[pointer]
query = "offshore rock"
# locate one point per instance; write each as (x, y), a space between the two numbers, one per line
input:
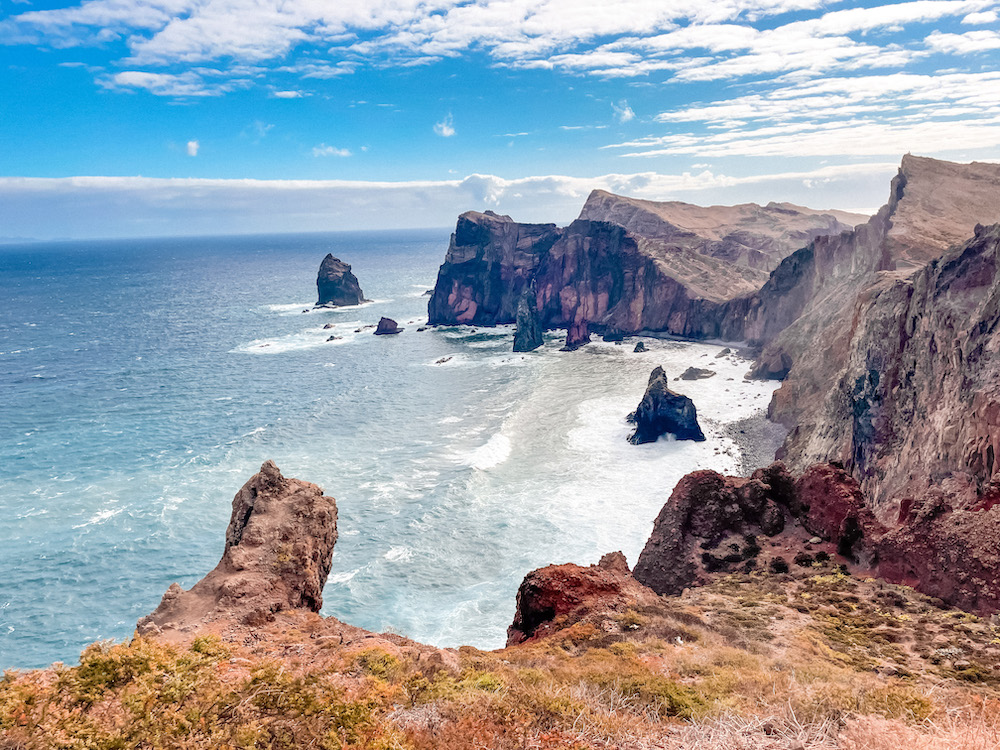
(528, 335)
(336, 285)
(662, 411)
(279, 546)
(558, 596)
(696, 373)
(577, 335)
(387, 327)
(639, 347)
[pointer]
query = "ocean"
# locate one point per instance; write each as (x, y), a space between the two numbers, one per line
(143, 382)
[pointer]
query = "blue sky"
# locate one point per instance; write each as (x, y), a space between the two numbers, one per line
(193, 116)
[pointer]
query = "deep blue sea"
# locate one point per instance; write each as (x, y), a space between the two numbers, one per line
(143, 382)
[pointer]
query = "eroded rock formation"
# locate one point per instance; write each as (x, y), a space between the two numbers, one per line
(557, 596)
(528, 335)
(713, 524)
(643, 275)
(662, 411)
(279, 546)
(336, 285)
(387, 327)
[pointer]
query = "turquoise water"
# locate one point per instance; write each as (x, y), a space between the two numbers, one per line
(142, 382)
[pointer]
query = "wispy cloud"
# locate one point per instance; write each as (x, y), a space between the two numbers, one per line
(324, 150)
(623, 112)
(192, 148)
(445, 128)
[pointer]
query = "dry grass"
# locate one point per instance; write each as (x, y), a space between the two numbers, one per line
(762, 662)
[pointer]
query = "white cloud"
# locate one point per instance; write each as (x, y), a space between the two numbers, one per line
(187, 84)
(287, 94)
(988, 16)
(623, 112)
(324, 150)
(965, 44)
(445, 128)
(137, 206)
(192, 148)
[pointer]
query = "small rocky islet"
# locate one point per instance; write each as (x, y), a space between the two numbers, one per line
(844, 596)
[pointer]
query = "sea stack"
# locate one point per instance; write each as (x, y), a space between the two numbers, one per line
(387, 327)
(662, 411)
(528, 336)
(577, 335)
(337, 286)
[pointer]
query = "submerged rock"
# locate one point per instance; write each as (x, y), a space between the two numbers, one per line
(336, 285)
(279, 546)
(662, 411)
(387, 327)
(528, 335)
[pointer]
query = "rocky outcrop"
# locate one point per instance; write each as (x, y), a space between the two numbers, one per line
(696, 373)
(528, 335)
(714, 525)
(336, 285)
(608, 276)
(387, 327)
(577, 335)
(662, 412)
(279, 546)
(558, 596)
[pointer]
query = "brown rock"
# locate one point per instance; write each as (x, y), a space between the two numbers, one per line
(387, 327)
(279, 546)
(557, 596)
(336, 285)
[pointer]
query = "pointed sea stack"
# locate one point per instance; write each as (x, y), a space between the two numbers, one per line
(337, 286)
(528, 336)
(662, 411)
(577, 335)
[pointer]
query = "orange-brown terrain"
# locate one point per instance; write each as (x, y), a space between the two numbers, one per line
(844, 598)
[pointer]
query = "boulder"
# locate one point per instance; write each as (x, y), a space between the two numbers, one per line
(387, 327)
(662, 411)
(279, 548)
(558, 596)
(640, 347)
(528, 335)
(696, 373)
(336, 285)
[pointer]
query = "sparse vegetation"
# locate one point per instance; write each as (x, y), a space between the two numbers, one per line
(812, 660)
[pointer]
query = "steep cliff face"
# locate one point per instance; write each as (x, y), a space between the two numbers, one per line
(876, 355)
(603, 274)
(744, 235)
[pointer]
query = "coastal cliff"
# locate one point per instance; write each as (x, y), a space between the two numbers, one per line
(623, 266)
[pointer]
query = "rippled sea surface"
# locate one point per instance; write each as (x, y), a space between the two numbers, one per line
(143, 382)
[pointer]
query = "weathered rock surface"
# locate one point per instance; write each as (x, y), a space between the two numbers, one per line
(696, 373)
(662, 411)
(577, 335)
(336, 285)
(745, 235)
(603, 274)
(714, 525)
(557, 596)
(387, 327)
(528, 335)
(279, 546)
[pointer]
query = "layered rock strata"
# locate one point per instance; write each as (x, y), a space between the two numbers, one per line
(336, 285)
(279, 547)
(663, 412)
(609, 277)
